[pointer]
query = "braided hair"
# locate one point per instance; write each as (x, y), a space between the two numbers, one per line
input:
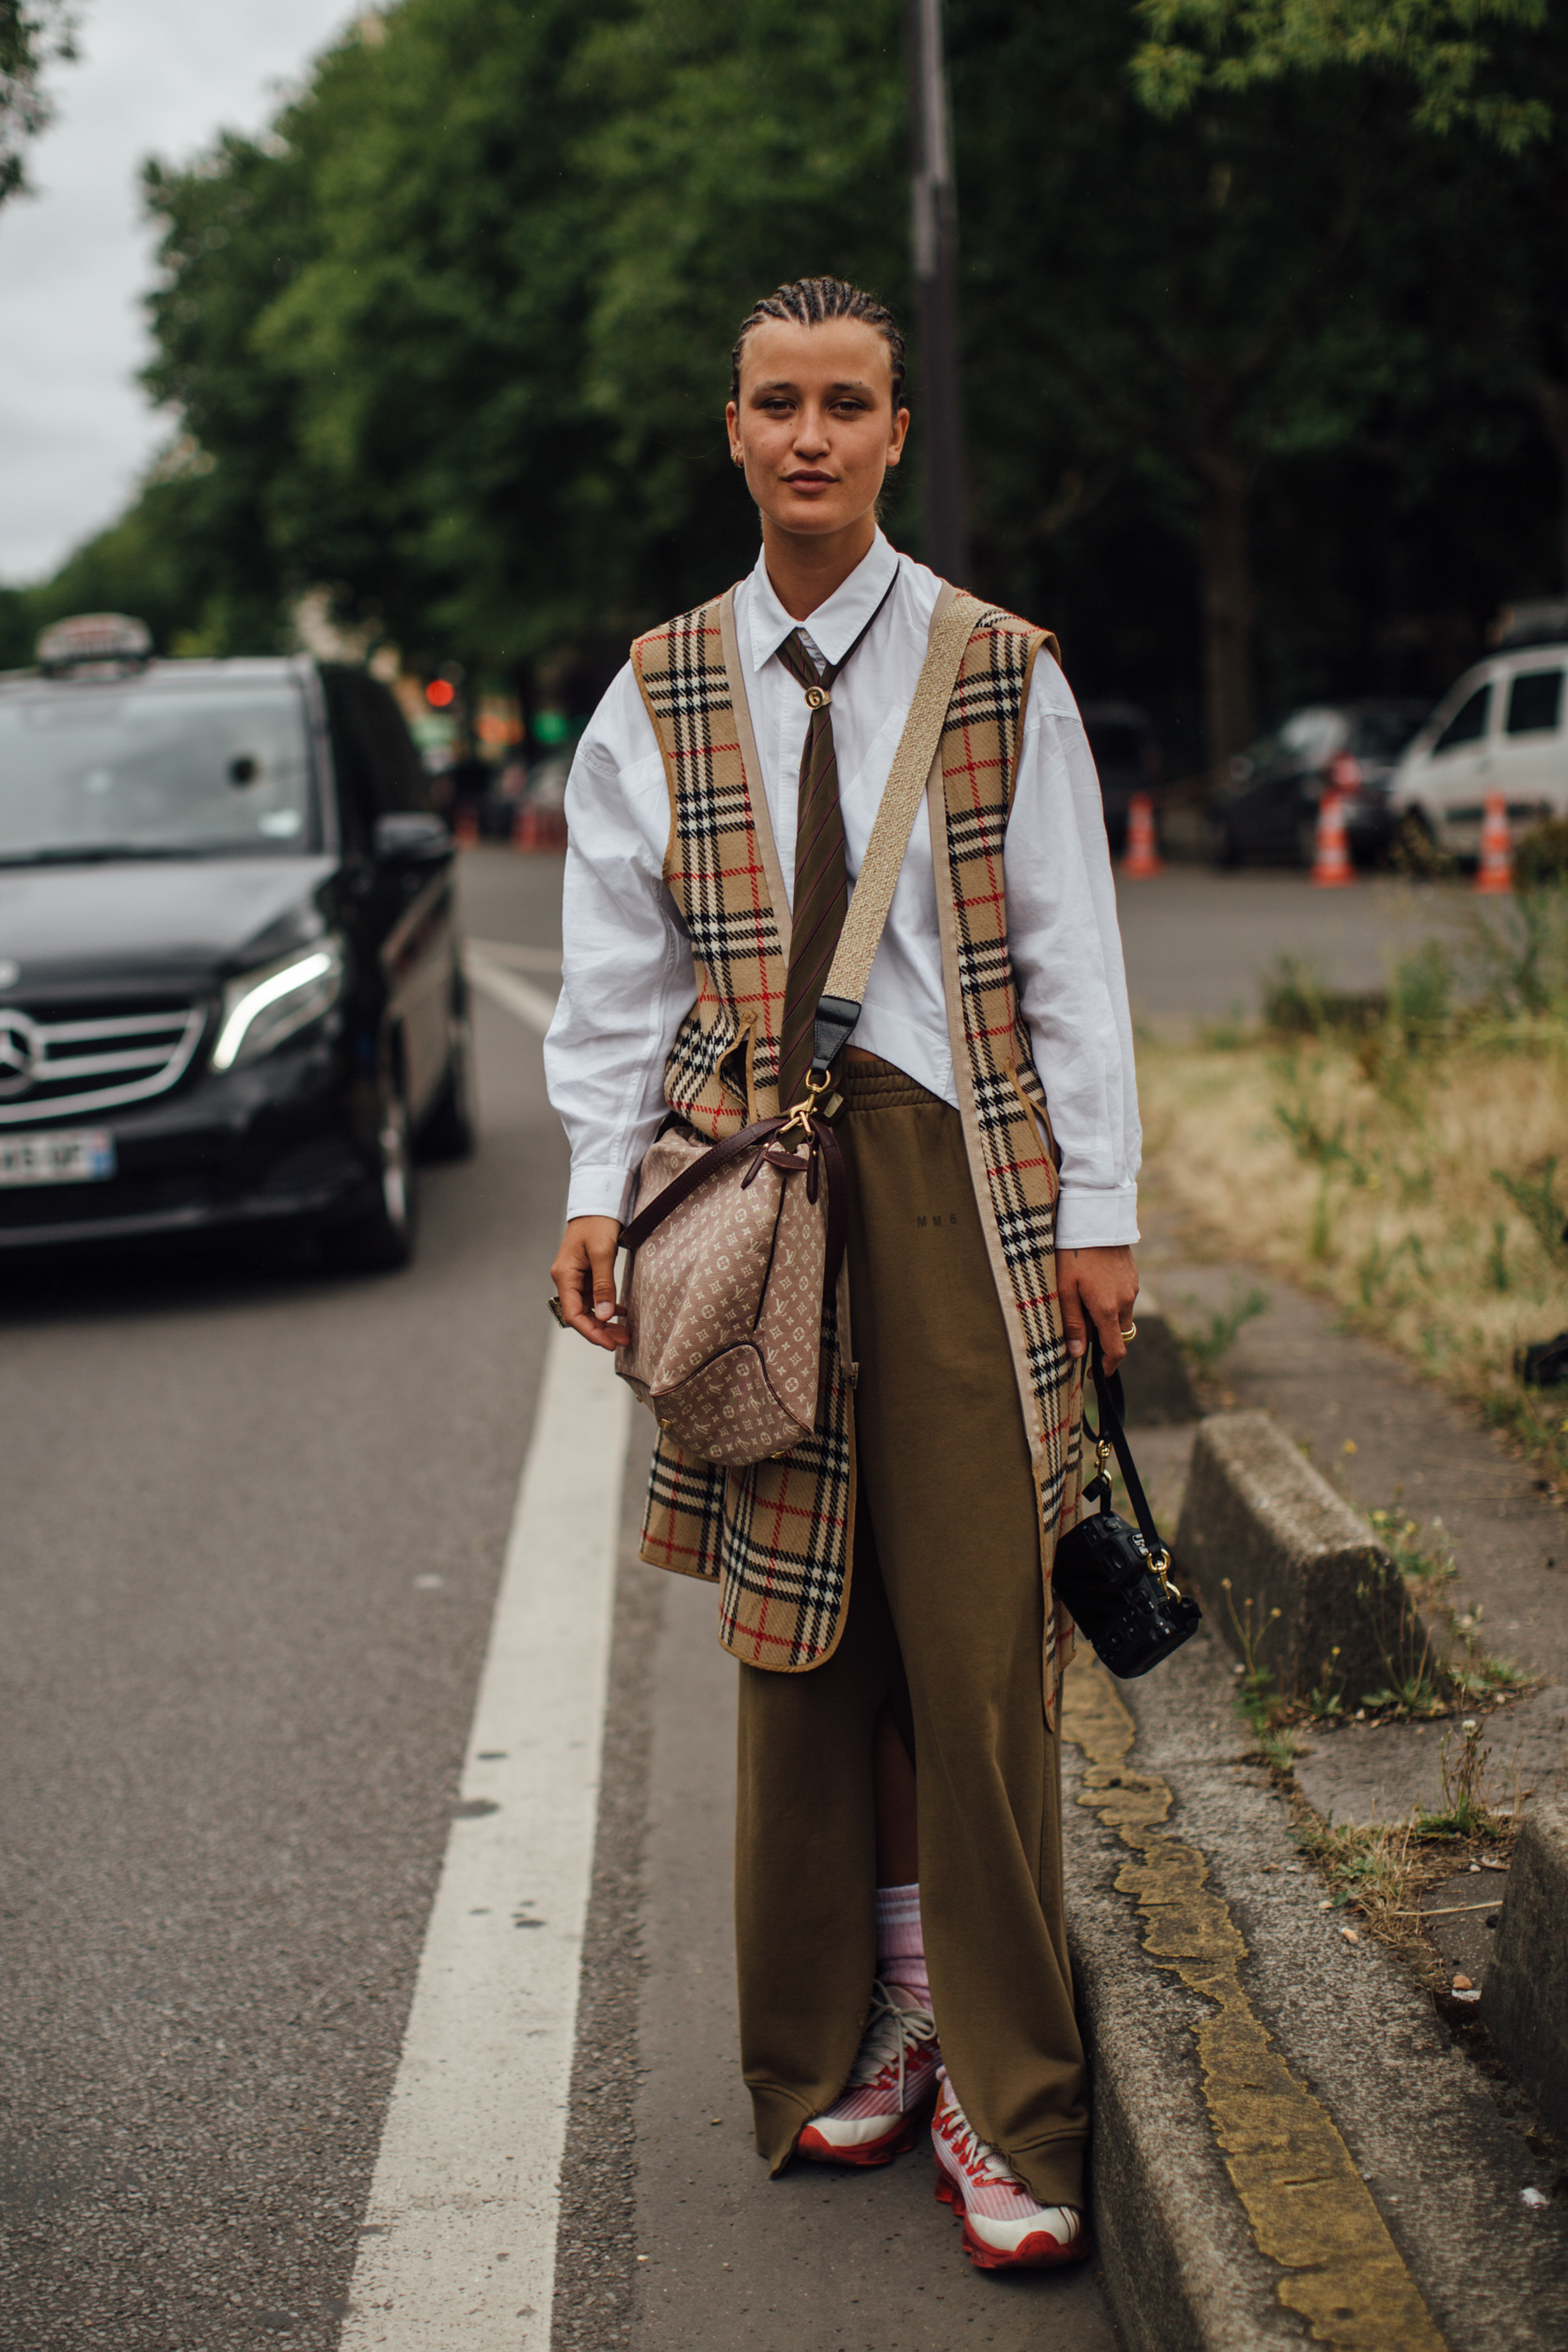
(811, 302)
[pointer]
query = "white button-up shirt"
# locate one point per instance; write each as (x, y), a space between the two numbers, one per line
(628, 980)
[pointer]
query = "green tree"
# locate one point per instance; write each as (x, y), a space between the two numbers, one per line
(1223, 47)
(452, 338)
(1497, 69)
(33, 33)
(1200, 298)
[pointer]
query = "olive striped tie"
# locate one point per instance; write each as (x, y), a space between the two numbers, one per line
(821, 875)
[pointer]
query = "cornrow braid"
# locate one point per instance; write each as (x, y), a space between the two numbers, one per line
(811, 302)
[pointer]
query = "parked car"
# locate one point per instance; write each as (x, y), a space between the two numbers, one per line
(1501, 728)
(1268, 808)
(1127, 755)
(230, 987)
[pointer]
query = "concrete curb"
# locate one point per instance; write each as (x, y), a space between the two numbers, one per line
(1525, 2004)
(1412, 2166)
(1312, 1594)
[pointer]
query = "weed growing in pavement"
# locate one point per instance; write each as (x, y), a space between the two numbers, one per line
(1370, 1870)
(1225, 1325)
(1465, 1812)
(1259, 1700)
(1399, 1537)
(1325, 1703)
(1380, 1870)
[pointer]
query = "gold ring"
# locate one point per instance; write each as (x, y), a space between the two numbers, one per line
(1131, 1332)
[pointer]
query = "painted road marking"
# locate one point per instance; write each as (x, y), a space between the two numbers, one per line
(463, 2205)
(1306, 2203)
(532, 1005)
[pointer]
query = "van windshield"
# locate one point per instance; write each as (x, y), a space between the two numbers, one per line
(149, 767)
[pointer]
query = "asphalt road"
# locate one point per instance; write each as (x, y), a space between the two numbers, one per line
(1200, 944)
(254, 1520)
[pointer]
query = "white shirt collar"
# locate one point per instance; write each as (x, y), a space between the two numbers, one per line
(835, 625)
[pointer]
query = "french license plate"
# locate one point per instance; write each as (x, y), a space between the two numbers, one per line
(74, 1156)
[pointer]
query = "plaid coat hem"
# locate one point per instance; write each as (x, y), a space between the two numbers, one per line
(778, 1536)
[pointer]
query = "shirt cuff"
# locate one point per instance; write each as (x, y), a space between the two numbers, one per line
(1089, 1218)
(600, 1192)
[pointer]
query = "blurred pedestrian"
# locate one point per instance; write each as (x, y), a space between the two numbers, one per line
(899, 1916)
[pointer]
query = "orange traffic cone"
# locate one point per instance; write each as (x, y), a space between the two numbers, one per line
(1331, 868)
(467, 827)
(1495, 874)
(1143, 850)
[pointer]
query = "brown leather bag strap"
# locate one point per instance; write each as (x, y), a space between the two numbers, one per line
(737, 1147)
(838, 1204)
(733, 1148)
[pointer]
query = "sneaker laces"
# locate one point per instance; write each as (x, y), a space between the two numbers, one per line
(977, 2157)
(891, 2030)
(986, 2166)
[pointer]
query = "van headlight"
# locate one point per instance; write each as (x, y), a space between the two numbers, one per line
(261, 1008)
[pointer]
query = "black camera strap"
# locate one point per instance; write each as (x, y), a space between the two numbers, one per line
(1107, 1388)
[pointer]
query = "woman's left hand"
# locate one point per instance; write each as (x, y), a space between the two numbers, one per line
(1098, 1289)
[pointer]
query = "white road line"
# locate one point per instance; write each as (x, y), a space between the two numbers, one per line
(521, 959)
(514, 995)
(466, 2188)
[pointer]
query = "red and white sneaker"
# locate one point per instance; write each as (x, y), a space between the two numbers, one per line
(1004, 2228)
(892, 2081)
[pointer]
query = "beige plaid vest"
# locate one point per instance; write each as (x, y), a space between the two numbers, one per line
(777, 1536)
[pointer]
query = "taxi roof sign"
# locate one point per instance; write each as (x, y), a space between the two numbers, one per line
(112, 638)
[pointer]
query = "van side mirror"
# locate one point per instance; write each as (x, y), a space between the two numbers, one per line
(411, 837)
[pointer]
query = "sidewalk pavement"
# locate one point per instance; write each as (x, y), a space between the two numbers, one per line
(1293, 2136)
(672, 2236)
(1388, 1438)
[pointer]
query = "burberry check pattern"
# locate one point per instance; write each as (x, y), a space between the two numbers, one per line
(776, 1535)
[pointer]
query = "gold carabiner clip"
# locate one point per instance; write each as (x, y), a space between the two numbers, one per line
(801, 1114)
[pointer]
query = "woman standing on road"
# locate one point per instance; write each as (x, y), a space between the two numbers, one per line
(899, 1917)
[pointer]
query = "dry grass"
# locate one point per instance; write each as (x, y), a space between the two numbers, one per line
(1379, 1871)
(1402, 1159)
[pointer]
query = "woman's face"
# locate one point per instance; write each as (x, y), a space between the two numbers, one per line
(814, 425)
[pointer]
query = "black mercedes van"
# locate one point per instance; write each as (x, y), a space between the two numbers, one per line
(231, 990)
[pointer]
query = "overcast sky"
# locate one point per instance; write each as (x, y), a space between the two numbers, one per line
(153, 77)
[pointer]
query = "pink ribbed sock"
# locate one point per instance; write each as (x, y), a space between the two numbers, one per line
(901, 1943)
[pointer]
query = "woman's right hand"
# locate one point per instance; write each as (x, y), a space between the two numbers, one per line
(584, 1277)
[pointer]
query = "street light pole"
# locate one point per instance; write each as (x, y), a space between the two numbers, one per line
(936, 272)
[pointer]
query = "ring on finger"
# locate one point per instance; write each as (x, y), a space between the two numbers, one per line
(1131, 1332)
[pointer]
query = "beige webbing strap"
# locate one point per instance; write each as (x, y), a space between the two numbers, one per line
(952, 626)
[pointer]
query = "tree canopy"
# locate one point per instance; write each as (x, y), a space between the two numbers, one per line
(1264, 311)
(1436, 46)
(32, 34)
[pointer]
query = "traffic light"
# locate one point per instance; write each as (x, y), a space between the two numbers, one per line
(441, 693)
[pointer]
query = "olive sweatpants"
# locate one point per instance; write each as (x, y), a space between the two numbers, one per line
(946, 1625)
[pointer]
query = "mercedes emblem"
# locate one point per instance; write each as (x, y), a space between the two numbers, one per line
(21, 1051)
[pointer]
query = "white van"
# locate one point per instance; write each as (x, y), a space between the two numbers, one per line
(1501, 728)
